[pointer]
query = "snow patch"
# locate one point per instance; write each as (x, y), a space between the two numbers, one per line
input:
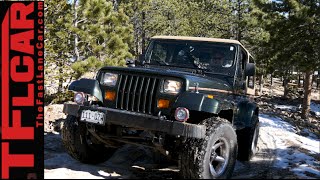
(315, 108)
(286, 107)
(291, 148)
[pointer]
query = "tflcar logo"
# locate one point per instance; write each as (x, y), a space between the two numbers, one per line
(21, 89)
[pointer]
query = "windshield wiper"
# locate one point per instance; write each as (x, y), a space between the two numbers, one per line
(158, 61)
(162, 62)
(214, 73)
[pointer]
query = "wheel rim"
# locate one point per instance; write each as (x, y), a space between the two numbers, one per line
(219, 157)
(254, 140)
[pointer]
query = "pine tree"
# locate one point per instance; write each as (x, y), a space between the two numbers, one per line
(82, 36)
(136, 10)
(104, 36)
(295, 34)
(58, 43)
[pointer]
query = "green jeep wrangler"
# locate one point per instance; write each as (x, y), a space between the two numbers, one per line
(190, 98)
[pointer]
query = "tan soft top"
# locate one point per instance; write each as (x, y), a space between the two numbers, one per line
(188, 38)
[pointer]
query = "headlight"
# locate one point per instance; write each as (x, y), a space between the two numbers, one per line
(109, 79)
(79, 97)
(171, 86)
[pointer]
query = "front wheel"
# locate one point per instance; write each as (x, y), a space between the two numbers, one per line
(212, 157)
(75, 140)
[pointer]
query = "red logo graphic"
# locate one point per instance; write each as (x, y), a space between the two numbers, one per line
(22, 93)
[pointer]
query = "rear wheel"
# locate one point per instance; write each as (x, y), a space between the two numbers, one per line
(75, 139)
(247, 141)
(212, 157)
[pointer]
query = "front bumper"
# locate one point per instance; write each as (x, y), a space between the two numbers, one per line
(139, 120)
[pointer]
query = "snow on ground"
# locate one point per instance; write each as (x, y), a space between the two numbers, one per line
(286, 107)
(315, 108)
(295, 153)
(65, 167)
(299, 155)
(59, 165)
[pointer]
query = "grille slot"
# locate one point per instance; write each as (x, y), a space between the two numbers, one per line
(137, 93)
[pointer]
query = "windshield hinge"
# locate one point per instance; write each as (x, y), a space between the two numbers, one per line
(196, 87)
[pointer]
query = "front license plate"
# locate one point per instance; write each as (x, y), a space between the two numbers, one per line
(95, 117)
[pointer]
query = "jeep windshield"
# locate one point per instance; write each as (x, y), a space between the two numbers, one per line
(212, 57)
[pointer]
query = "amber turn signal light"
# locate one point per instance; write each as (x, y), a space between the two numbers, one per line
(210, 96)
(110, 95)
(163, 103)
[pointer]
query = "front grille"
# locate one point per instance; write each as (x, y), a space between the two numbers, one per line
(137, 93)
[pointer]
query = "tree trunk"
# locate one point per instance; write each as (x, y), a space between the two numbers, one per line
(261, 84)
(285, 85)
(76, 38)
(136, 38)
(271, 84)
(239, 35)
(299, 79)
(60, 82)
(115, 5)
(69, 82)
(143, 32)
(307, 95)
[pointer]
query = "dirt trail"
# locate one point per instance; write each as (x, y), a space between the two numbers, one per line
(137, 162)
(261, 165)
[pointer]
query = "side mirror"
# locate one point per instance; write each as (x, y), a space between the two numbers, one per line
(250, 69)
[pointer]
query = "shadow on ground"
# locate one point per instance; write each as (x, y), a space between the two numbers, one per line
(127, 162)
(133, 162)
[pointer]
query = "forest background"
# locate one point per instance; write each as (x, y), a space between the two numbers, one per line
(84, 35)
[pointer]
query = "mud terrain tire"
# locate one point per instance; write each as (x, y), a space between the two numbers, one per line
(74, 135)
(213, 157)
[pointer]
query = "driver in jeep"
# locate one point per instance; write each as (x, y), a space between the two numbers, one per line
(219, 59)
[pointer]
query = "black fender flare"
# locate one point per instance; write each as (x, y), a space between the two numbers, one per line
(201, 102)
(244, 113)
(87, 86)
